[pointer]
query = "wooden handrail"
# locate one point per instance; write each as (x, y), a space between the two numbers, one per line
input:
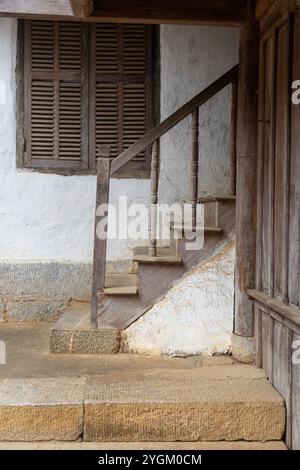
(105, 169)
(156, 132)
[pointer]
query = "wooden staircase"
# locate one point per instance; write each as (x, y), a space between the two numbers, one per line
(118, 300)
(128, 296)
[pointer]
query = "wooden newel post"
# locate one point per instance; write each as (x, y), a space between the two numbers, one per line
(234, 111)
(100, 236)
(154, 197)
(195, 164)
(246, 185)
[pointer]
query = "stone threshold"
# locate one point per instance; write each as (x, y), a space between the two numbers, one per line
(112, 408)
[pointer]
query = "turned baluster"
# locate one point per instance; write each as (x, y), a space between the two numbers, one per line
(234, 105)
(154, 198)
(195, 165)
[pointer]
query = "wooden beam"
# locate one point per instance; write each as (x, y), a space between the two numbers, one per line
(72, 8)
(246, 174)
(100, 242)
(156, 132)
(193, 12)
(82, 8)
(262, 7)
(223, 12)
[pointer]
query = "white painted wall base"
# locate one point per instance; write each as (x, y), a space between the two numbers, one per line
(196, 315)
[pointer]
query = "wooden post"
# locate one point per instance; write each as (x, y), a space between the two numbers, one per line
(100, 242)
(234, 104)
(246, 173)
(154, 198)
(195, 164)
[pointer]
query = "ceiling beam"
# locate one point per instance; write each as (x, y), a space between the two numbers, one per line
(223, 12)
(262, 7)
(82, 8)
(193, 12)
(77, 8)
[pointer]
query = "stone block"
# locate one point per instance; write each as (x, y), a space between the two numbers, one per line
(243, 348)
(41, 409)
(85, 341)
(183, 411)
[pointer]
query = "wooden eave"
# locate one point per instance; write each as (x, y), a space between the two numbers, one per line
(197, 12)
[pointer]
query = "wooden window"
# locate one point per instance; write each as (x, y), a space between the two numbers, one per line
(84, 85)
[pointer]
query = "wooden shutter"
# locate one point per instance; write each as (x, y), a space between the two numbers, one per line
(120, 64)
(55, 95)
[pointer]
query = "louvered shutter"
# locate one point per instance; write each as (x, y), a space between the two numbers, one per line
(55, 95)
(120, 64)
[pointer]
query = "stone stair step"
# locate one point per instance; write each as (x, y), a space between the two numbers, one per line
(143, 408)
(184, 410)
(72, 334)
(41, 409)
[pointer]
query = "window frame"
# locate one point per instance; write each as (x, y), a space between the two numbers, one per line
(133, 169)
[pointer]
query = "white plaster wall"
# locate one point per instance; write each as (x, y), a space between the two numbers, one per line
(46, 217)
(192, 58)
(196, 315)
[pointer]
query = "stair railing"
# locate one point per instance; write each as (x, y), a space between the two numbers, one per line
(106, 169)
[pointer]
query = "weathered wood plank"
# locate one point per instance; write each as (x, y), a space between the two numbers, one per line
(258, 336)
(281, 187)
(206, 12)
(225, 12)
(296, 396)
(262, 7)
(278, 12)
(260, 166)
(233, 135)
(268, 173)
(294, 210)
(246, 174)
(288, 311)
(100, 242)
(77, 8)
(267, 345)
(175, 118)
(282, 369)
(82, 8)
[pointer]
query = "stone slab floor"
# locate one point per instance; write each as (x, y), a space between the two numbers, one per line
(27, 349)
(27, 355)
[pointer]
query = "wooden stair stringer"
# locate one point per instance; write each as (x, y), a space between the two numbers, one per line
(154, 281)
